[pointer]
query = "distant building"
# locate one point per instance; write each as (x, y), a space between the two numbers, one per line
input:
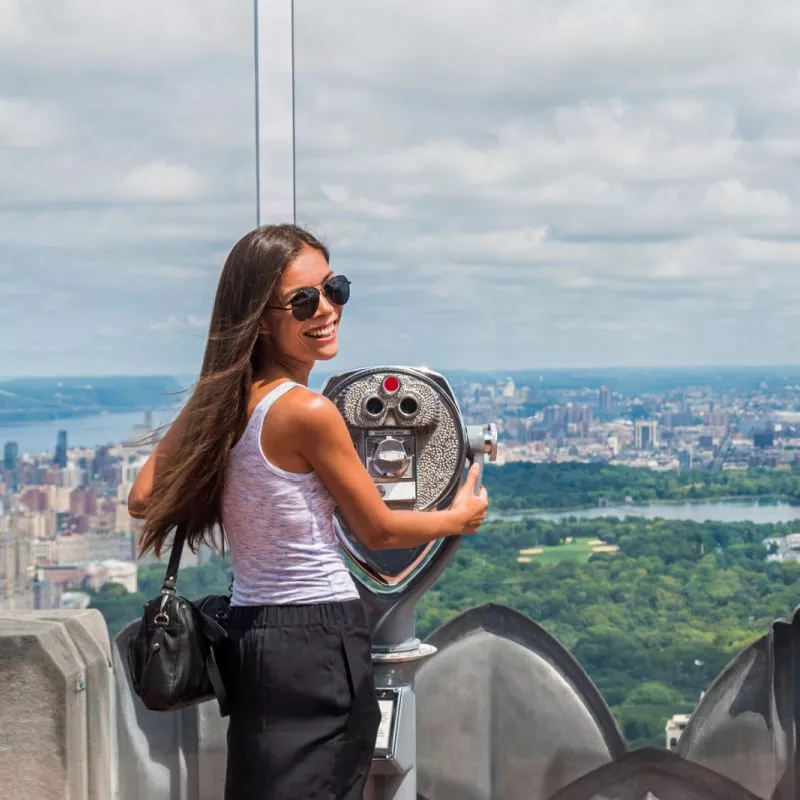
(11, 456)
(101, 461)
(606, 399)
(678, 419)
(644, 434)
(14, 560)
(99, 573)
(73, 600)
(684, 460)
(35, 499)
(674, 730)
(715, 419)
(53, 581)
(764, 438)
(60, 457)
(82, 502)
(783, 548)
(10, 472)
(72, 548)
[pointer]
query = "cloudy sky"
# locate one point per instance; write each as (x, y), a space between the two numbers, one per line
(508, 183)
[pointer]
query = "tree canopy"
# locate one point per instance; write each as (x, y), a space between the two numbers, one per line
(521, 485)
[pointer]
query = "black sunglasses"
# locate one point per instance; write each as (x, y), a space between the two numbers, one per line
(305, 302)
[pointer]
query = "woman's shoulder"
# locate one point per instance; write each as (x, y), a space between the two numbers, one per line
(298, 421)
(303, 406)
(301, 411)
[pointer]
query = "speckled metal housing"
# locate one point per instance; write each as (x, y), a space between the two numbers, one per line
(441, 446)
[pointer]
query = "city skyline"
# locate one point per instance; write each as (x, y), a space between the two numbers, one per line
(323, 369)
(592, 186)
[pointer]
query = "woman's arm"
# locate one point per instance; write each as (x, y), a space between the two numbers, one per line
(324, 441)
(140, 491)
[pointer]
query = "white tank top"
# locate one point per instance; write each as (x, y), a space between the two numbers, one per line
(280, 527)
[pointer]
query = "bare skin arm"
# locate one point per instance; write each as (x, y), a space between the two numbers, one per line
(321, 437)
(312, 427)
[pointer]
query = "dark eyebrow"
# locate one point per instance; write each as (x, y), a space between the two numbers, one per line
(292, 292)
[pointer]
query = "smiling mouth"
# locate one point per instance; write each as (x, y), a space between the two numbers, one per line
(322, 333)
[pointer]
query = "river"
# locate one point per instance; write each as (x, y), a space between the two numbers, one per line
(721, 511)
(100, 429)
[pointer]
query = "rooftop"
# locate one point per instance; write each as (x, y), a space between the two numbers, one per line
(504, 712)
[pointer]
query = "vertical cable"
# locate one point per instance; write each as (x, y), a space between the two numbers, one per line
(257, 110)
(294, 145)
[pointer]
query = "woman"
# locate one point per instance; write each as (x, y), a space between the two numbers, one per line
(254, 453)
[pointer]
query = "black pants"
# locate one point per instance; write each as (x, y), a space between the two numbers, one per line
(304, 713)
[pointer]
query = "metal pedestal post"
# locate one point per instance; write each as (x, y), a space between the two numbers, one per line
(408, 431)
(393, 775)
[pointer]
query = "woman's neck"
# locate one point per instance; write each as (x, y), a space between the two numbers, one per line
(299, 373)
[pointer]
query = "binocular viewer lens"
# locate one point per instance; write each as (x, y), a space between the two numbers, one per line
(408, 406)
(374, 406)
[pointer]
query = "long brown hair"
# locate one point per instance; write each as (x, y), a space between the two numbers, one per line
(188, 489)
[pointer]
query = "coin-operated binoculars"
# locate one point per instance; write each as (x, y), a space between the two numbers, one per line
(408, 431)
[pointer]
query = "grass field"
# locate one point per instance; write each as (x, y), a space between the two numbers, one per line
(575, 550)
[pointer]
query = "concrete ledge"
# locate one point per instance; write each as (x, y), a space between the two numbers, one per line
(167, 754)
(55, 719)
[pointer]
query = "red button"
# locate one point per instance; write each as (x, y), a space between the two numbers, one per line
(391, 384)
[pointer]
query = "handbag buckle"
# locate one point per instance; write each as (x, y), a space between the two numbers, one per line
(162, 618)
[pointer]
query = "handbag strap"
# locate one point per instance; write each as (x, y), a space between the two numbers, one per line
(217, 683)
(171, 578)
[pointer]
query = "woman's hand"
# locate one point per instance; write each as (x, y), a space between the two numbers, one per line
(471, 507)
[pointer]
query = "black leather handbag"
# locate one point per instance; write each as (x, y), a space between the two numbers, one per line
(174, 656)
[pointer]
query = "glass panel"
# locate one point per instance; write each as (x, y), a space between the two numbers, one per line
(127, 171)
(273, 28)
(577, 200)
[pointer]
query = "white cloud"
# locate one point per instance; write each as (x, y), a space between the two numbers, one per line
(146, 36)
(361, 205)
(159, 180)
(25, 125)
(591, 182)
(175, 323)
(650, 147)
(733, 198)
